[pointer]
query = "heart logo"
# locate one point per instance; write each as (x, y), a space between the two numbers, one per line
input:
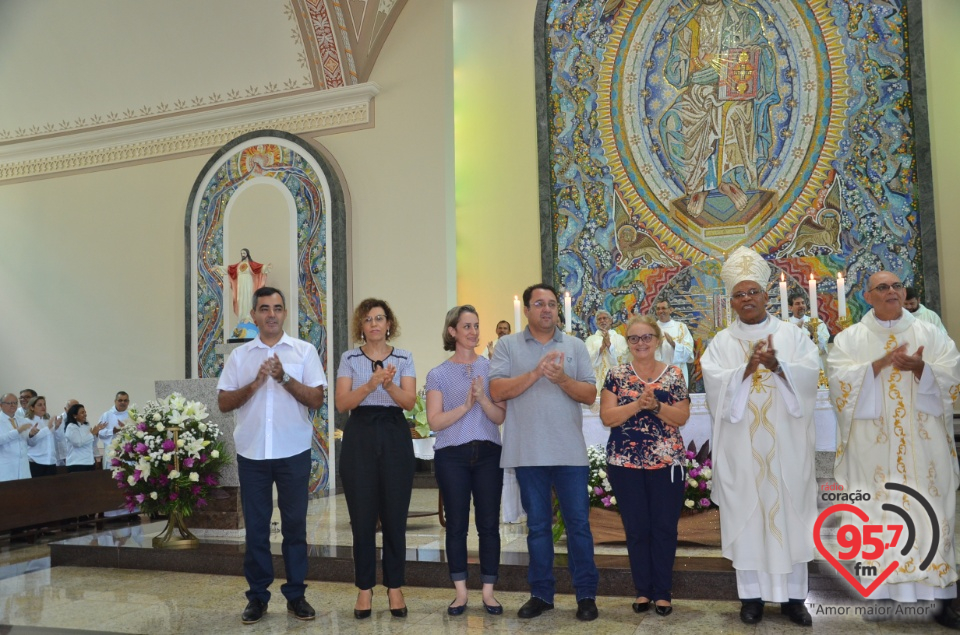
(818, 541)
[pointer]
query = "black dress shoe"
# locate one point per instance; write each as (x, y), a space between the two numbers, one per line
(948, 617)
(797, 613)
(456, 610)
(751, 612)
(534, 607)
(400, 612)
(254, 612)
(664, 610)
(641, 607)
(301, 609)
(587, 610)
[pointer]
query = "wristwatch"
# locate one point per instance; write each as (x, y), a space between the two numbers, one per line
(286, 378)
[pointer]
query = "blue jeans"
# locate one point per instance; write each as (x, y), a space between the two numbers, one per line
(650, 502)
(570, 484)
(291, 476)
(473, 467)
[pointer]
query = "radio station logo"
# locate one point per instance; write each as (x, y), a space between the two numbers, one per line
(861, 547)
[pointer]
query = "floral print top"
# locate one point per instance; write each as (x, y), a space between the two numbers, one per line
(644, 441)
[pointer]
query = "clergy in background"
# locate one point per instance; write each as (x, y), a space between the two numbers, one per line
(912, 304)
(799, 317)
(607, 349)
(761, 375)
(893, 379)
(677, 346)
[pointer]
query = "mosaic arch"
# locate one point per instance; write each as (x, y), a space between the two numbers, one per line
(320, 248)
(679, 129)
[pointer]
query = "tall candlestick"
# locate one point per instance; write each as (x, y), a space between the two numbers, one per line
(813, 296)
(841, 296)
(567, 312)
(516, 314)
(783, 298)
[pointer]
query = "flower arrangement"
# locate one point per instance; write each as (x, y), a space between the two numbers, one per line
(699, 469)
(601, 493)
(166, 458)
(418, 416)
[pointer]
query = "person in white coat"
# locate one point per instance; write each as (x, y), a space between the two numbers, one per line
(13, 441)
(81, 439)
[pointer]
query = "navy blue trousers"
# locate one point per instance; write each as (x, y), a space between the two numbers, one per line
(650, 507)
(291, 475)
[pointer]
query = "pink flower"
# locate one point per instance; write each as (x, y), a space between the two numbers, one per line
(691, 455)
(188, 462)
(141, 448)
(201, 502)
(140, 498)
(115, 462)
(195, 490)
(708, 463)
(142, 427)
(173, 496)
(210, 480)
(694, 473)
(598, 491)
(606, 501)
(702, 485)
(704, 502)
(168, 445)
(127, 448)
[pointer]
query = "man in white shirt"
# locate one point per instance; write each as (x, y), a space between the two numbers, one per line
(503, 328)
(113, 419)
(272, 382)
(677, 345)
(912, 304)
(60, 429)
(606, 347)
(13, 441)
(25, 396)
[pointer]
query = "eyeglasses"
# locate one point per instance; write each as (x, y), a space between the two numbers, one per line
(743, 294)
(9, 403)
(883, 287)
(370, 319)
(540, 304)
(646, 338)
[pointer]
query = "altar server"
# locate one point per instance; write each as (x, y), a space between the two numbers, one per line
(760, 376)
(676, 349)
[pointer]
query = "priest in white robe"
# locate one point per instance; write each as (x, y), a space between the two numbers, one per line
(912, 304)
(677, 344)
(760, 376)
(893, 380)
(607, 349)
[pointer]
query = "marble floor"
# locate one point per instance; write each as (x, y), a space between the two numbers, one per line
(35, 598)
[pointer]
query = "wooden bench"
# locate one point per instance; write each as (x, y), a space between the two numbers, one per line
(36, 501)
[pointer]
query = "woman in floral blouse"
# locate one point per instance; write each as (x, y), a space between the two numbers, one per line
(644, 403)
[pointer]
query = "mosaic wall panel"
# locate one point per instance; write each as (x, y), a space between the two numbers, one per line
(290, 166)
(679, 129)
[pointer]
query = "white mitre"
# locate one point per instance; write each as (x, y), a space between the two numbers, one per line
(744, 264)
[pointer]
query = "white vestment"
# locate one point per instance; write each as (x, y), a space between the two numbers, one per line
(763, 455)
(895, 428)
(615, 355)
(113, 418)
(681, 352)
(925, 314)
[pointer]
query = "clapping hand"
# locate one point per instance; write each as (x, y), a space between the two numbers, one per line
(23, 427)
(471, 395)
(767, 354)
(605, 344)
(388, 372)
(647, 399)
(552, 366)
(912, 363)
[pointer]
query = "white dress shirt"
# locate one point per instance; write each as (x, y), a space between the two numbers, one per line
(13, 450)
(272, 424)
(43, 445)
(80, 444)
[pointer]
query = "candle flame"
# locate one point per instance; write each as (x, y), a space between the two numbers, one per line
(782, 279)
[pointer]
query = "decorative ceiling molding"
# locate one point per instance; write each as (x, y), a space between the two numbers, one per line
(315, 111)
(362, 26)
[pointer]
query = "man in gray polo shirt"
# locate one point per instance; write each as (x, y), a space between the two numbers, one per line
(544, 376)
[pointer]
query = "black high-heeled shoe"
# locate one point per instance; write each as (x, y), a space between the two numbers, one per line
(361, 614)
(641, 607)
(664, 610)
(400, 612)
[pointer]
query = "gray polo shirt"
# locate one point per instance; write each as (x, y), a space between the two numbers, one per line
(544, 426)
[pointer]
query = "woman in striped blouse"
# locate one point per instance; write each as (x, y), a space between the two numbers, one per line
(467, 453)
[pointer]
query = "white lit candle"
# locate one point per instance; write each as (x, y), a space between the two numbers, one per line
(784, 309)
(841, 296)
(813, 296)
(567, 312)
(516, 314)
